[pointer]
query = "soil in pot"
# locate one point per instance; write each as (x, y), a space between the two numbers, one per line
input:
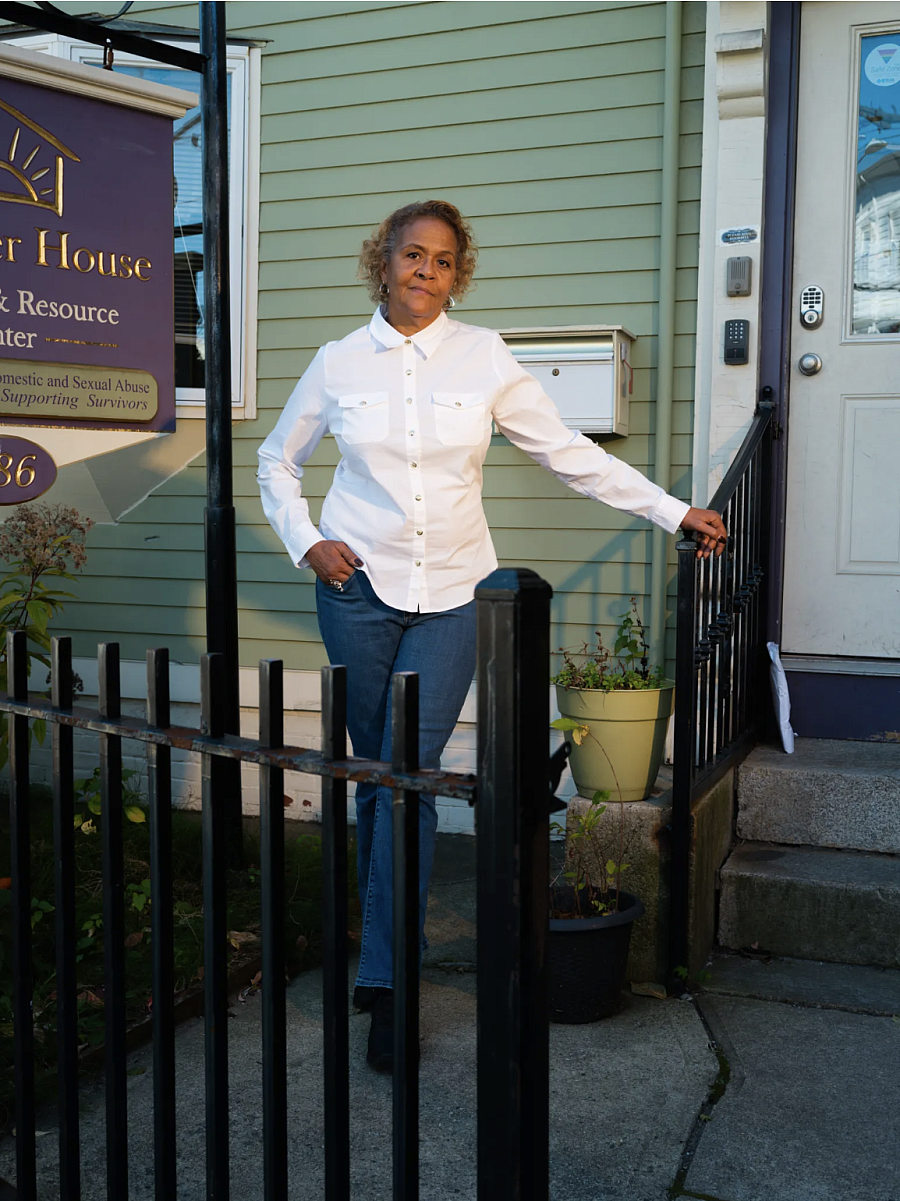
(586, 958)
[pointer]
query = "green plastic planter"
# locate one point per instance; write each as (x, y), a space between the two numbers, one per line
(630, 728)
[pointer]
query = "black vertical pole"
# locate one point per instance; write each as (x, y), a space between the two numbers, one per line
(334, 939)
(110, 705)
(405, 758)
(159, 786)
(20, 864)
(62, 695)
(221, 551)
(684, 754)
(215, 936)
(271, 858)
(513, 851)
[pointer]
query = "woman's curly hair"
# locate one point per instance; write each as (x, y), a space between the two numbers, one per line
(377, 250)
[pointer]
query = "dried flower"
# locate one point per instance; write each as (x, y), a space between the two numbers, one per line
(42, 537)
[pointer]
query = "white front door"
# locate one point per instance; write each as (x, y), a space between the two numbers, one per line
(842, 553)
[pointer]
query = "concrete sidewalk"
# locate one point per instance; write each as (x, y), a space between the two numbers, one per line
(790, 1102)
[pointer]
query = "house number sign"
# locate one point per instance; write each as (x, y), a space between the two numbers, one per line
(26, 470)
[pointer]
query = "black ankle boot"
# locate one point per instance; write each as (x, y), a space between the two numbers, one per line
(380, 1051)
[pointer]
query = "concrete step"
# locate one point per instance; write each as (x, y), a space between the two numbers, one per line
(829, 793)
(812, 903)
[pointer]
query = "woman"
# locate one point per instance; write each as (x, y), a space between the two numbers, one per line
(403, 540)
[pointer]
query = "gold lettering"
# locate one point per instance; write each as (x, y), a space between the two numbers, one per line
(62, 248)
(6, 461)
(75, 259)
(142, 264)
(112, 263)
(11, 248)
(125, 271)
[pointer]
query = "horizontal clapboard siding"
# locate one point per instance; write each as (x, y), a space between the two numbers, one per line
(544, 123)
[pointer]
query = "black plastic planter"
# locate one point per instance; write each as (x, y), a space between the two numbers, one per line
(586, 959)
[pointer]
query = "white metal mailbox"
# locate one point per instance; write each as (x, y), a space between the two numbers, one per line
(584, 369)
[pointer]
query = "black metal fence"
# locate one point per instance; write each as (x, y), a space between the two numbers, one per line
(720, 653)
(510, 792)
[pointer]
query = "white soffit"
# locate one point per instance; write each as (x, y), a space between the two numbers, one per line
(47, 71)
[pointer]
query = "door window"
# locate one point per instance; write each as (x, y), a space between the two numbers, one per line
(876, 242)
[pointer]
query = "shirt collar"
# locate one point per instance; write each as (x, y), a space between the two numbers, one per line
(426, 340)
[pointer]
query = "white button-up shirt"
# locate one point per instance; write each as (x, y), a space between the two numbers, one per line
(412, 420)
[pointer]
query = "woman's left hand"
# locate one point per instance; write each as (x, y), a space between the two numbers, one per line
(710, 529)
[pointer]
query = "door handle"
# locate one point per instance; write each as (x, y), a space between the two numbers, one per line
(810, 364)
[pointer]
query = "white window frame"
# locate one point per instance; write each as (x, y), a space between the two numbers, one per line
(243, 65)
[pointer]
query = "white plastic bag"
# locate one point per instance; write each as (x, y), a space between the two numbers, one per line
(781, 697)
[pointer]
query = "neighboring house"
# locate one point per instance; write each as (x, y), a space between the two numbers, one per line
(549, 125)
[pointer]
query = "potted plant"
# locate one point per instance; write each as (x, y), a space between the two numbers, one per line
(590, 919)
(622, 705)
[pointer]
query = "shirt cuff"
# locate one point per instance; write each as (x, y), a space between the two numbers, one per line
(301, 542)
(669, 512)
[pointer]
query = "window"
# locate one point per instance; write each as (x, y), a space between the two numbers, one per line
(243, 152)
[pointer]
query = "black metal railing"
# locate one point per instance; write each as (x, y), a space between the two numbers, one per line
(511, 788)
(720, 653)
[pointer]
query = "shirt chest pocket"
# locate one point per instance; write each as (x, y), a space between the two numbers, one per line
(364, 417)
(459, 417)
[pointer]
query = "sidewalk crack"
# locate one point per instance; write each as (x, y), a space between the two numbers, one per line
(714, 1096)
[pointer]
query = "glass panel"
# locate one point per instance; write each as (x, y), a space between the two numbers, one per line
(876, 247)
(190, 367)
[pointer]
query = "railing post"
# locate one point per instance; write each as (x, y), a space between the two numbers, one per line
(405, 758)
(213, 703)
(512, 821)
(159, 786)
(110, 705)
(271, 853)
(684, 756)
(20, 864)
(334, 939)
(66, 938)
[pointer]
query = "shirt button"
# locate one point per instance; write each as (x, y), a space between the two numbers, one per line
(418, 562)
(412, 433)
(362, 402)
(414, 464)
(408, 400)
(418, 498)
(408, 342)
(458, 404)
(409, 372)
(419, 532)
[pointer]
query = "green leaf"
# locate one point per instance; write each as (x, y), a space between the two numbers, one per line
(565, 723)
(135, 813)
(39, 726)
(95, 805)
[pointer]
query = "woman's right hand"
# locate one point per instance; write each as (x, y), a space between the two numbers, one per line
(333, 561)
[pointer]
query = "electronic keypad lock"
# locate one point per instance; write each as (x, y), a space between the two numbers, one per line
(812, 306)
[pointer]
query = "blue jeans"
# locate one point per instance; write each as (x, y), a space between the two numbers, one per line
(374, 640)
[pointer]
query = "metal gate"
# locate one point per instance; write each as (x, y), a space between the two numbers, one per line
(510, 793)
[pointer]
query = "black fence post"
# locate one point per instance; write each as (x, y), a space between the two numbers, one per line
(66, 938)
(215, 932)
(20, 865)
(334, 939)
(685, 752)
(159, 786)
(271, 855)
(110, 705)
(512, 817)
(405, 758)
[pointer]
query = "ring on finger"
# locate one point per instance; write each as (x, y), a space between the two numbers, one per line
(336, 585)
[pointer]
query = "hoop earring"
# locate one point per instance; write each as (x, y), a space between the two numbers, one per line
(450, 303)
(384, 290)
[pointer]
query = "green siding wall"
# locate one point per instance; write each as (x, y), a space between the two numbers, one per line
(543, 122)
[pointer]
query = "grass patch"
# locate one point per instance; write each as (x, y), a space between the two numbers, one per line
(303, 925)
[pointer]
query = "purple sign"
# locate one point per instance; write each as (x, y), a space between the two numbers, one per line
(26, 470)
(86, 262)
